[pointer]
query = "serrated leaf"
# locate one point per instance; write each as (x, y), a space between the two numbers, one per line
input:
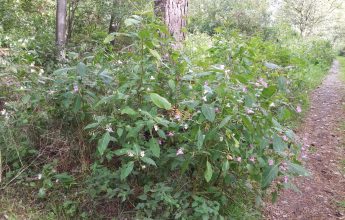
(90, 126)
(128, 111)
(148, 161)
(224, 121)
(269, 91)
(160, 101)
(200, 140)
(154, 147)
(269, 175)
(81, 69)
(126, 170)
(131, 21)
(297, 169)
(278, 144)
(109, 38)
(209, 112)
(208, 172)
(103, 143)
(121, 152)
(119, 132)
(155, 54)
(172, 85)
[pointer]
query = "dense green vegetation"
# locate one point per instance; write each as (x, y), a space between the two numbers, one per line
(144, 128)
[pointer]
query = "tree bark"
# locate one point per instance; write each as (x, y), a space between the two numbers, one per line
(174, 14)
(61, 12)
(115, 19)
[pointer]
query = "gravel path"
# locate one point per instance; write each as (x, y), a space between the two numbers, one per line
(320, 132)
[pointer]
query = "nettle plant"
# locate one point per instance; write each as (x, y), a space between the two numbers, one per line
(179, 138)
(169, 137)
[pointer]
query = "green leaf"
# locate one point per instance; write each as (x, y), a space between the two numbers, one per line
(154, 147)
(269, 175)
(209, 112)
(90, 126)
(160, 101)
(103, 143)
(155, 54)
(131, 21)
(297, 169)
(109, 38)
(121, 152)
(226, 166)
(224, 122)
(269, 91)
(278, 144)
(208, 172)
(119, 132)
(126, 170)
(129, 111)
(201, 139)
(81, 69)
(172, 85)
(148, 161)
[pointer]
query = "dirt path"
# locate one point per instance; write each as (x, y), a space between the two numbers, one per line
(320, 131)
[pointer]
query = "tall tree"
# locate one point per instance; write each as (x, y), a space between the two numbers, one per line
(307, 15)
(173, 13)
(61, 12)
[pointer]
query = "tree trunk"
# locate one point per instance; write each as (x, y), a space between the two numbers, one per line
(174, 14)
(115, 19)
(61, 12)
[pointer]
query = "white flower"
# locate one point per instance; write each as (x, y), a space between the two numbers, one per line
(143, 167)
(109, 129)
(142, 154)
(221, 138)
(204, 98)
(185, 126)
(222, 67)
(3, 112)
(272, 104)
(228, 105)
(179, 152)
(156, 127)
(152, 78)
(39, 176)
(148, 89)
(130, 154)
(119, 62)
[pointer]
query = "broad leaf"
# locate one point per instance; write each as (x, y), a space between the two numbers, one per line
(208, 172)
(126, 170)
(154, 147)
(269, 175)
(160, 101)
(103, 143)
(209, 112)
(148, 161)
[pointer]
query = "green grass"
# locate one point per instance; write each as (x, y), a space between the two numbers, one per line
(16, 206)
(342, 66)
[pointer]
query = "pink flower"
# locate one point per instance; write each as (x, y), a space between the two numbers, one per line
(75, 88)
(263, 82)
(298, 109)
(206, 83)
(179, 152)
(252, 159)
(285, 138)
(217, 110)
(160, 142)
(249, 111)
(244, 89)
(270, 162)
(286, 179)
(239, 159)
(170, 134)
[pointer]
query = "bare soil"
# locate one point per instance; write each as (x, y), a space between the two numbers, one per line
(321, 134)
